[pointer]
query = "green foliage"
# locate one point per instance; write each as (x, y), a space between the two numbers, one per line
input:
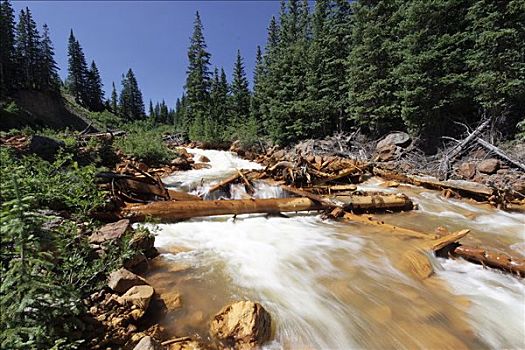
(60, 185)
(131, 105)
(145, 143)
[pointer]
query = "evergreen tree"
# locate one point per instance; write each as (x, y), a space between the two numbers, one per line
(7, 47)
(48, 69)
(496, 60)
(151, 112)
(131, 105)
(434, 87)
(114, 99)
(77, 71)
(240, 93)
(258, 94)
(375, 54)
(197, 81)
(27, 50)
(95, 94)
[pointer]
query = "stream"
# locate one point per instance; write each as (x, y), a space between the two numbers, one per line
(331, 285)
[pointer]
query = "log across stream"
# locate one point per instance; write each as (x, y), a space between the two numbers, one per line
(340, 285)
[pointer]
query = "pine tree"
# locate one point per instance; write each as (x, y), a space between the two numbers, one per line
(373, 103)
(198, 80)
(114, 99)
(48, 69)
(95, 94)
(77, 70)
(131, 105)
(258, 94)
(7, 48)
(496, 61)
(151, 112)
(27, 50)
(240, 93)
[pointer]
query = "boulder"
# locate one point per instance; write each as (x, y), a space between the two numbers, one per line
(204, 159)
(401, 139)
(44, 147)
(243, 324)
(467, 170)
(386, 153)
(139, 296)
(392, 184)
(519, 186)
(199, 166)
(144, 241)
(172, 300)
(148, 343)
(121, 280)
(111, 231)
(489, 166)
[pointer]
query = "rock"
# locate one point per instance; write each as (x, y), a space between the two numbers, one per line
(242, 324)
(198, 166)
(235, 146)
(144, 241)
(488, 166)
(519, 186)
(185, 345)
(204, 159)
(467, 170)
(121, 280)
(387, 153)
(139, 296)
(401, 139)
(148, 343)
(392, 184)
(44, 147)
(137, 263)
(173, 300)
(111, 231)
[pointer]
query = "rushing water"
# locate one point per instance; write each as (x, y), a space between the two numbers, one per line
(332, 285)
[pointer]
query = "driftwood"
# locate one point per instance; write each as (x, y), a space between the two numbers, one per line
(467, 188)
(182, 196)
(174, 210)
(500, 153)
(491, 258)
(101, 135)
(224, 182)
(459, 148)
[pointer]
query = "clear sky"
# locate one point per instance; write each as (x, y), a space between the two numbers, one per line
(152, 37)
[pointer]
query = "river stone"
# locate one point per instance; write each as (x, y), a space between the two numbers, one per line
(121, 280)
(387, 153)
(148, 343)
(44, 147)
(173, 300)
(488, 166)
(185, 345)
(401, 139)
(243, 324)
(204, 159)
(111, 231)
(139, 296)
(467, 170)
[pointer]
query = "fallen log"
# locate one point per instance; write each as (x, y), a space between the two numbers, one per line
(491, 258)
(467, 188)
(500, 153)
(182, 196)
(224, 182)
(345, 173)
(175, 210)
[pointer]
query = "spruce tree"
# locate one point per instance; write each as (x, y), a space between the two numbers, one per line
(95, 94)
(240, 93)
(27, 50)
(131, 105)
(198, 80)
(258, 94)
(77, 70)
(373, 102)
(7, 48)
(114, 99)
(48, 69)
(151, 112)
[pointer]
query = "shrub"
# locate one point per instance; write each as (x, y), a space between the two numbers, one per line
(145, 143)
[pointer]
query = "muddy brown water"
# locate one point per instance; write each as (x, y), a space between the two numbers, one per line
(331, 285)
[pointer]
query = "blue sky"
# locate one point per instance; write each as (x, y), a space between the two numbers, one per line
(152, 37)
